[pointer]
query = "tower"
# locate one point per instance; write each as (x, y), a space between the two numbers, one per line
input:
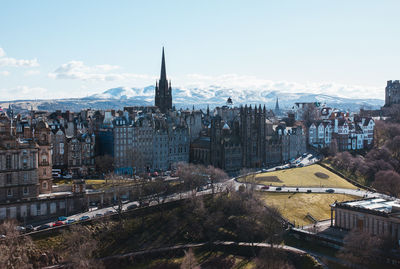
(277, 111)
(163, 95)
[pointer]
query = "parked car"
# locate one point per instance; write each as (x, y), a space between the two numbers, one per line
(132, 206)
(43, 227)
(108, 212)
(278, 188)
(309, 191)
(29, 228)
(330, 190)
(70, 221)
(20, 229)
(83, 218)
(58, 223)
(265, 187)
(67, 176)
(98, 215)
(62, 218)
(144, 204)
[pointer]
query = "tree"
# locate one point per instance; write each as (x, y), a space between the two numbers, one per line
(272, 258)
(360, 247)
(189, 260)
(15, 249)
(309, 114)
(104, 164)
(80, 247)
(387, 181)
(215, 175)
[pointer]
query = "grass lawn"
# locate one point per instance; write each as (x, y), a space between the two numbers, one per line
(309, 176)
(296, 206)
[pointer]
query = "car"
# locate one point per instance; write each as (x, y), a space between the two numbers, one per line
(132, 206)
(265, 187)
(83, 218)
(98, 215)
(58, 223)
(309, 191)
(70, 221)
(62, 218)
(109, 212)
(330, 190)
(29, 228)
(20, 229)
(67, 176)
(43, 227)
(278, 188)
(144, 204)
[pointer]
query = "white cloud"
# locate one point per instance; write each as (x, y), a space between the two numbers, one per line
(78, 70)
(23, 93)
(4, 73)
(8, 61)
(32, 72)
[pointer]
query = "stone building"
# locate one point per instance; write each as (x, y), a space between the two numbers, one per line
(392, 93)
(80, 154)
(252, 135)
(43, 139)
(18, 167)
(149, 142)
(377, 216)
(225, 145)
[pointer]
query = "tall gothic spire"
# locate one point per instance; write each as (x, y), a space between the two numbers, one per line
(163, 95)
(163, 75)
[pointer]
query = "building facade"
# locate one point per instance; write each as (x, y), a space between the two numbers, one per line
(392, 92)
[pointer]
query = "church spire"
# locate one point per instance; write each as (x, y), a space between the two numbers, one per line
(163, 75)
(163, 96)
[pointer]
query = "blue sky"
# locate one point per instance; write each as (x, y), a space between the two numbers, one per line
(52, 49)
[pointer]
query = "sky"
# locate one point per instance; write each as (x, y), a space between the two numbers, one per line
(59, 49)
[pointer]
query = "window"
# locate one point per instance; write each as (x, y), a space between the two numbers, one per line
(25, 177)
(8, 179)
(44, 185)
(25, 190)
(61, 148)
(8, 162)
(9, 192)
(44, 171)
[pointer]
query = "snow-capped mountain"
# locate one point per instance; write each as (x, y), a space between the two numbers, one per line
(200, 97)
(217, 96)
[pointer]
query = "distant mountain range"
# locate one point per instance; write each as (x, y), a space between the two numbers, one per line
(117, 98)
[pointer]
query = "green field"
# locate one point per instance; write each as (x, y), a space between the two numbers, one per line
(295, 206)
(309, 176)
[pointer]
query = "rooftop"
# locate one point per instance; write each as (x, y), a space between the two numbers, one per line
(376, 204)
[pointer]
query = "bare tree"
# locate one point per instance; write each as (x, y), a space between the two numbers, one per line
(189, 260)
(80, 247)
(104, 164)
(360, 247)
(272, 258)
(215, 175)
(387, 181)
(309, 114)
(15, 250)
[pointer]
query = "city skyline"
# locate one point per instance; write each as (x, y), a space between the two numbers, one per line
(64, 50)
